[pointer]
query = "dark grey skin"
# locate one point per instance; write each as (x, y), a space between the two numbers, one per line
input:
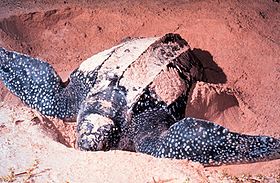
(38, 85)
(152, 128)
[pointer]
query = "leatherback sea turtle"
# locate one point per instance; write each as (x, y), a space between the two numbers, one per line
(133, 97)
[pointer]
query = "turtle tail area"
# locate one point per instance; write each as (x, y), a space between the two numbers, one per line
(208, 143)
(38, 85)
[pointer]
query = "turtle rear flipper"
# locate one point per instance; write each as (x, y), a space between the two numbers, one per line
(38, 85)
(201, 141)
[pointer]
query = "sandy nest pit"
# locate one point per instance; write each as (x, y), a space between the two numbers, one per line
(237, 42)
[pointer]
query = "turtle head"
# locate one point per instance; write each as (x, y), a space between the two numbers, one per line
(101, 118)
(33, 81)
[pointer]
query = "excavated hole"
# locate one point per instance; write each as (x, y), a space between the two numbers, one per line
(65, 38)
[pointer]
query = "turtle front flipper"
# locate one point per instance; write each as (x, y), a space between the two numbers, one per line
(199, 140)
(38, 85)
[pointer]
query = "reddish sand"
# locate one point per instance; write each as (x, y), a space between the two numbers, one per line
(238, 43)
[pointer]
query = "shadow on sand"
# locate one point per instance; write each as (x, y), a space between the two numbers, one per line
(213, 73)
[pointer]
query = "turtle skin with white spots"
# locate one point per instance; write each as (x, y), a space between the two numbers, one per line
(114, 111)
(38, 85)
(198, 140)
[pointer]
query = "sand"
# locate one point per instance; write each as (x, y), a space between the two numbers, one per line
(238, 43)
